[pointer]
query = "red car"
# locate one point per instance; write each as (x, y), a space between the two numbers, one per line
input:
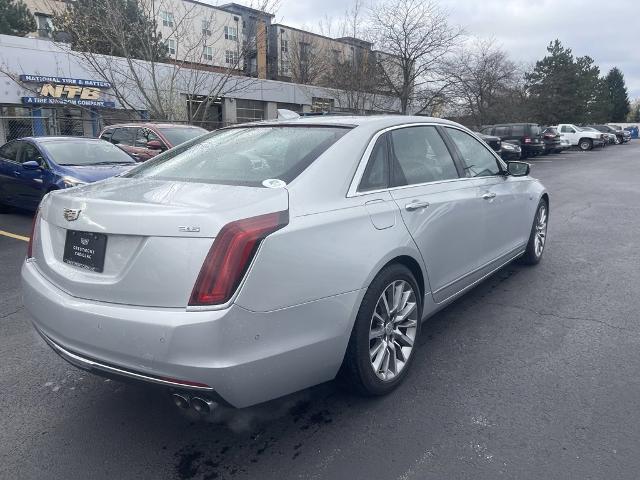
(145, 140)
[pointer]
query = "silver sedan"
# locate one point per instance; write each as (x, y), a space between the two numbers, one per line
(262, 259)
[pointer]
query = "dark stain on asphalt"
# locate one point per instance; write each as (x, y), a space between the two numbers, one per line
(188, 462)
(299, 410)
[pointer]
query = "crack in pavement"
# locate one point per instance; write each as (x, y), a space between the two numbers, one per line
(564, 317)
(5, 315)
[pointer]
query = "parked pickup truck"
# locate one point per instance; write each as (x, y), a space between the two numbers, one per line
(583, 139)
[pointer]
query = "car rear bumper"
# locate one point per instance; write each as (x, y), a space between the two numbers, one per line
(241, 356)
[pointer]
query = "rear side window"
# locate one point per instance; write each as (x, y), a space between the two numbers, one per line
(123, 136)
(376, 176)
(420, 156)
(478, 160)
(517, 130)
(501, 131)
(10, 151)
(243, 155)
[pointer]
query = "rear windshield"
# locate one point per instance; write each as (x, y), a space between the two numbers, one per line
(178, 135)
(243, 155)
(535, 130)
(89, 152)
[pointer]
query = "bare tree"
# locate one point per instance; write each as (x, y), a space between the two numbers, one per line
(417, 36)
(182, 56)
(481, 76)
(309, 60)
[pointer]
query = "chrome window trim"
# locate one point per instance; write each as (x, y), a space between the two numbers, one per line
(364, 160)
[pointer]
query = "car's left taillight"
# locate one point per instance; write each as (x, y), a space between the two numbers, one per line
(230, 257)
(32, 234)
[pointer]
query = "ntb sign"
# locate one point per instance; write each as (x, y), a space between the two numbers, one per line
(60, 91)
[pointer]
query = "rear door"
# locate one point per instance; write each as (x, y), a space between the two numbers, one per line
(8, 167)
(442, 211)
(504, 200)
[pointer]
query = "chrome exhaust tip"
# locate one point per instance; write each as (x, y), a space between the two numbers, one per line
(203, 405)
(181, 400)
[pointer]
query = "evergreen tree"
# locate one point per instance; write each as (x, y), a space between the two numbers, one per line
(554, 93)
(618, 95)
(15, 18)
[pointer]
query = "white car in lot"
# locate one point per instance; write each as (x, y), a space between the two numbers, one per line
(261, 259)
(577, 137)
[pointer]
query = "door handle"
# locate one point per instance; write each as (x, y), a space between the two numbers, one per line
(17, 173)
(489, 195)
(416, 205)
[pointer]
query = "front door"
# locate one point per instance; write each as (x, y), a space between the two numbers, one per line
(442, 211)
(29, 184)
(504, 200)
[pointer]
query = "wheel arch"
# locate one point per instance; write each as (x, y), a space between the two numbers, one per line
(413, 266)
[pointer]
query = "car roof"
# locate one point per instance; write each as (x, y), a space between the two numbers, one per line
(150, 125)
(375, 121)
(51, 139)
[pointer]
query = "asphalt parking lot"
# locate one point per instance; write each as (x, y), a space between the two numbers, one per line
(534, 374)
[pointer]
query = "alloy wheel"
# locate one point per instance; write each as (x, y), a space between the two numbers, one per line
(540, 230)
(392, 331)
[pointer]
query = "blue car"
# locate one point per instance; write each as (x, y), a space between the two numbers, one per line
(31, 167)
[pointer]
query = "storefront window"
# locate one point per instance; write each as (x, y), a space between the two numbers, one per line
(249, 110)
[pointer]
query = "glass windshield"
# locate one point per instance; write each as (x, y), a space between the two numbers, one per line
(243, 155)
(89, 152)
(178, 135)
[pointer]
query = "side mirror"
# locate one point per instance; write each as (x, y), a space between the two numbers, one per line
(518, 169)
(155, 145)
(31, 165)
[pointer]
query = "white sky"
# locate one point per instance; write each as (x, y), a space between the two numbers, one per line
(609, 32)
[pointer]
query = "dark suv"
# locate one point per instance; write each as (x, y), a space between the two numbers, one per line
(145, 140)
(527, 135)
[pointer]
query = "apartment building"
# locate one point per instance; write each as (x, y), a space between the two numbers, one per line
(43, 11)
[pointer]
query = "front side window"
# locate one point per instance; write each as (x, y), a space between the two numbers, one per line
(30, 153)
(419, 155)
(123, 136)
(567, 129)
(376, 175)
(501, 131)
(478, 160)
(243, 155)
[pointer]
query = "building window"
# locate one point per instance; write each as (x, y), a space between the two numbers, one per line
(305, 51)
(207, 54)
(322, 104)
(249, 110)
(284, 46)
(167, 19)
(285, 67)
(231, 57)
(171, 46)
(45, 25)
(231, 33)
(206, 28)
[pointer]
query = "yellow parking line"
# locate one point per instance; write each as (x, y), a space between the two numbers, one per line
(13, 235)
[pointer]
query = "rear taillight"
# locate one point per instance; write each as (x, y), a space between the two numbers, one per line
(230, 256)
(32, 234)
(527, 140)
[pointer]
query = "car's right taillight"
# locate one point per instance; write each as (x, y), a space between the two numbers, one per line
(230, 256)
(32, 234)
(527, 140)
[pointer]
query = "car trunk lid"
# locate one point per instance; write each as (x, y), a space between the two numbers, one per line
(157, 234)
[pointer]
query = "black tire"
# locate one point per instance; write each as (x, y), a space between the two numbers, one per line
(531, 256)
(618, 140)
(357, 372)
(585, 144)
